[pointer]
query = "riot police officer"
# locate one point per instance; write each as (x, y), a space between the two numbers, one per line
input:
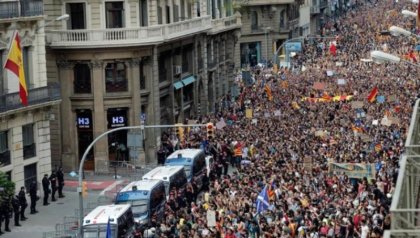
(60, 179)
(34, 197)
(16, 211)
(53, 181)
(5, 212)
(23, 203)
(46, 188)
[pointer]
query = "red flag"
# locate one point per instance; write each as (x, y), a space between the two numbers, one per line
(333, 49)
(372, 94)
(411, 54)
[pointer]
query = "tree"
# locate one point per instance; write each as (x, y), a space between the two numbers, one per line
(8, 187)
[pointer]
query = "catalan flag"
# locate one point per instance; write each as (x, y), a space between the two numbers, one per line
(15, 69)
(372, 95)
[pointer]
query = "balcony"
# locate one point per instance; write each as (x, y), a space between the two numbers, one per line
(14, 9)
(265, 2)
(323, 4)
(225, 24)
(119, 37)
(41, 96)
(293, 23)
(315, 10)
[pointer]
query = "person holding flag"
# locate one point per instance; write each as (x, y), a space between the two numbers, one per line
(263, 202)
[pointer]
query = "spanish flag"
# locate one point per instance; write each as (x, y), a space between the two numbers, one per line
(15, 69)
(372, 95)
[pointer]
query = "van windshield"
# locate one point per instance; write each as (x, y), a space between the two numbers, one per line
(187, 169)
(139, 207)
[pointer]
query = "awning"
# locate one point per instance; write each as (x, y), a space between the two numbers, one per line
(178, 85)
(188, 80)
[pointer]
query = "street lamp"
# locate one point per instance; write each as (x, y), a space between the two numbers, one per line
(380, 57)
(408, 13)
(64, 17)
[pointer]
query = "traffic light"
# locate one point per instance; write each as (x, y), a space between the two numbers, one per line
(84, 189)
(210, 130)
(180, 132)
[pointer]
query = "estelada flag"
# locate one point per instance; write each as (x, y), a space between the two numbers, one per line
(15, 69)
(333, 49)
(372, 95)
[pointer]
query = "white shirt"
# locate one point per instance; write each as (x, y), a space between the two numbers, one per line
(365, 231)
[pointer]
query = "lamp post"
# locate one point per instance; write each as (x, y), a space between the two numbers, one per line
(380, 57)
(82, 161)
(398, 31)
(266, 31)
(64, 17)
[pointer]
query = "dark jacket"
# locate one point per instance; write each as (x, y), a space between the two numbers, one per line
(16, 204)
(60, 177)
(22, 199)
(46, 184)
(32, 190)
(53, 180)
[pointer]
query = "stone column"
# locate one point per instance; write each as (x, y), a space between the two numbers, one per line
(69, 139)
(153, 108)
(99, 116)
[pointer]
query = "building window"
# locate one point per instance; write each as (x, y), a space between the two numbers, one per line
(143, 13)
(142, 76)
(159, 12)
(198, 9)
(228, 7)
(116, 77)
(4, 149)
(26, 64)
(82, 80)
(168, 14)
(30, 175)
(2, 89)
(254, 20)
(77, 15)
(114, 14)
(29, 149)
(182, 10)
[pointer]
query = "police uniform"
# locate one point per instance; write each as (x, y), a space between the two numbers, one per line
(16, 211)
(46, 188)
(53, 181)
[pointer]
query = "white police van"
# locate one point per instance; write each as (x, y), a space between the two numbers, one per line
(120, 218)
(173, 177)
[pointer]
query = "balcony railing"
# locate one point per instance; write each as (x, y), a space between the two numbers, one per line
(225, 24)
(293, 23)
(39, 95)
(323, 4)
(5, 158)
(93, 38)
(315, 9)
(28, 8)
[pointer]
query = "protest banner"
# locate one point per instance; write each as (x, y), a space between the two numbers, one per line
(352, 170)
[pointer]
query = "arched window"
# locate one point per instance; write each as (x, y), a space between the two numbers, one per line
(116, 77)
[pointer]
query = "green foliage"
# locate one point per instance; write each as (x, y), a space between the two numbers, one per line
(8, 186)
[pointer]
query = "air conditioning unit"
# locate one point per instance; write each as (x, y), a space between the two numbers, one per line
(177, 69)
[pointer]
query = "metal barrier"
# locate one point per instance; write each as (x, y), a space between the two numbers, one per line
(405, 212)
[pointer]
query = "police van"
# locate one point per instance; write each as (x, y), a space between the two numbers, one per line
(147, 200)
(173, 177)
(120, 218)
(194, 162)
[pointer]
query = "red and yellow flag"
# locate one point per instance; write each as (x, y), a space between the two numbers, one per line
(372, 95)
(268, 91)
(14, 66)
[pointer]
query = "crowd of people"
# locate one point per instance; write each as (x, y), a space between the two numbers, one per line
(15, 206)
(333, 106)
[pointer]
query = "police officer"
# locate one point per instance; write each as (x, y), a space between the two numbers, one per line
(22, 203)
(5, 210)
(16, 206)
(53, 181)
(46, 188)
(32, 193)
(60, 179)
